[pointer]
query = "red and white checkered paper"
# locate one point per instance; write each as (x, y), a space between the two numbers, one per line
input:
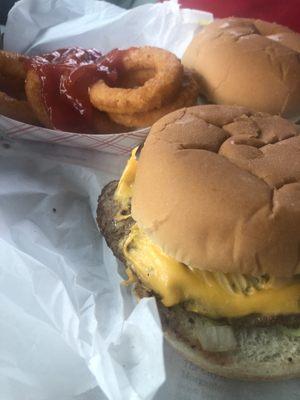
(116, 143)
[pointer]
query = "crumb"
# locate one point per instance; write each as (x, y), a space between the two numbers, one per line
(54, 210)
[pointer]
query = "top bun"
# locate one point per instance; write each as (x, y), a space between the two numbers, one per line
(248, 62)
(218, 188)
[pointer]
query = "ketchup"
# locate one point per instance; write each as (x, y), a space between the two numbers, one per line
(65, 76)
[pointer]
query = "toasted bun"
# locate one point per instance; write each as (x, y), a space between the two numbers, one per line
(262, 353)
(218, 188)
(248, 62)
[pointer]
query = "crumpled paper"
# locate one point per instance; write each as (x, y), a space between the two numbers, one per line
(54, 24)
(66, 323)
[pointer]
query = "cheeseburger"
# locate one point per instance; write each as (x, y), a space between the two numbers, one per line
(248, 62)
(207, 219)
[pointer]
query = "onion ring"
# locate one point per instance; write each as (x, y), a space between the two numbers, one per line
(187, 96)
(133, 79)
(11, 65)
(12, 87)
(16, 109)
(152, 94)
(101, 122)
(33, 89)
(12, 75)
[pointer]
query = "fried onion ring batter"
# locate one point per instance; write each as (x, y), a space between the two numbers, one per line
(16, 109)
(33, 89)
(152, 94)
(11, 65)
(105, 125)
(187, 96)
(12, 75)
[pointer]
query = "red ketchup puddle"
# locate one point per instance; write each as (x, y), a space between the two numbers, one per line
(65, 76)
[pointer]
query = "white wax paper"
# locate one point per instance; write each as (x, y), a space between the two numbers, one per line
(37, 26)
(66, 324)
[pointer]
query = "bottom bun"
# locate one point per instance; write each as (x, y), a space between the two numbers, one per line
(262, 353)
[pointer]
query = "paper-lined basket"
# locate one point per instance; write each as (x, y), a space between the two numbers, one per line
(96, 24)
(114, 143)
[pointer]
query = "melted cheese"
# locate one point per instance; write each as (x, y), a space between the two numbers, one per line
(212, 294)
(123, 192)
